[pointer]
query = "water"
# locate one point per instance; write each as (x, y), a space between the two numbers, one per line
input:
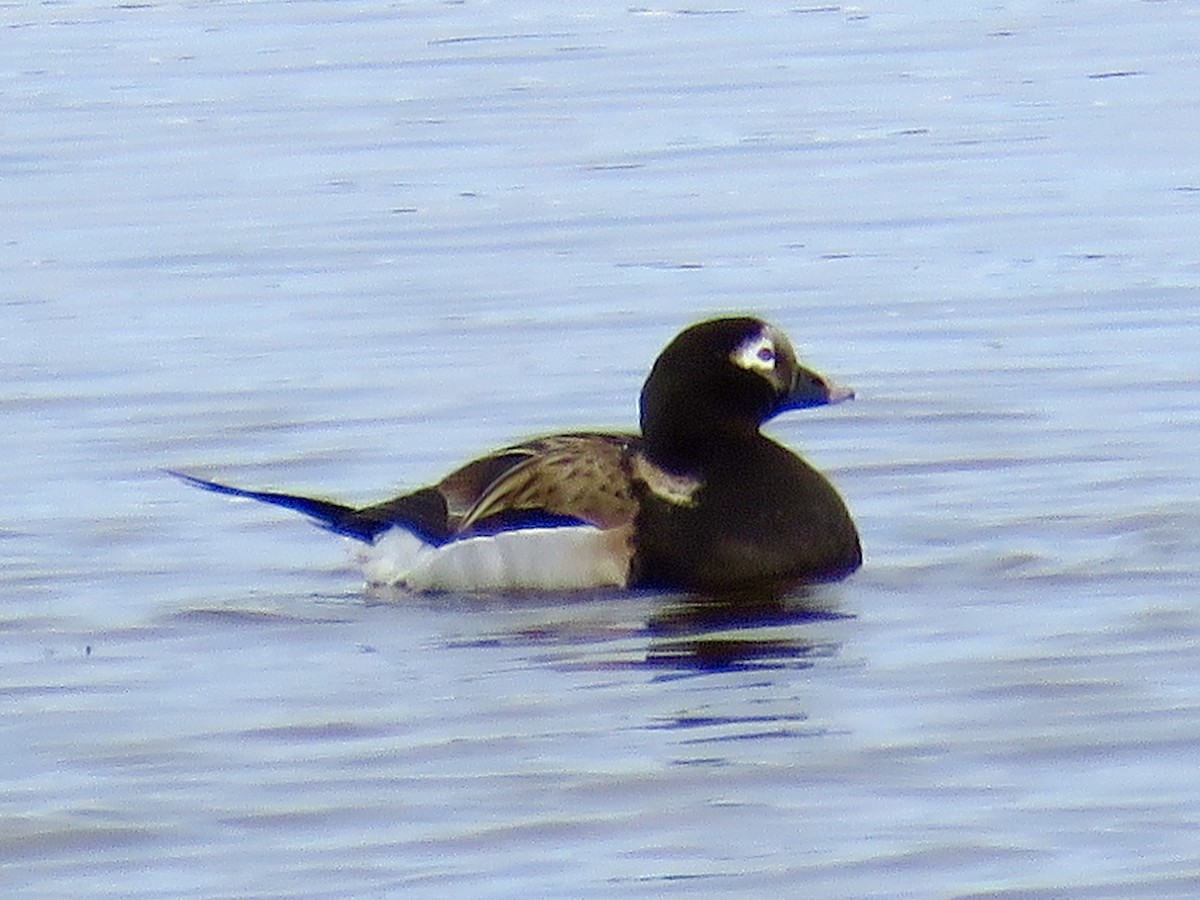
(339, 248)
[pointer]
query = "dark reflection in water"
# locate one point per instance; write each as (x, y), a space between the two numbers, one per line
(702, 613)
(683, 633)
(724, 633)
(723, 654)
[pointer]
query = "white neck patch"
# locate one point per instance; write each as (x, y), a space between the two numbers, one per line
(679, 490)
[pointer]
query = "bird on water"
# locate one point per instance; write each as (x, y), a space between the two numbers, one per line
(700, 500)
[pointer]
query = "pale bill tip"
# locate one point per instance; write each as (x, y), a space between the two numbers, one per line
(838, 393)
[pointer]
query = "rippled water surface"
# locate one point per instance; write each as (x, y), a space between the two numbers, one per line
(340, 247)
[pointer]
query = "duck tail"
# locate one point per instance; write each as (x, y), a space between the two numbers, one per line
(335, 517)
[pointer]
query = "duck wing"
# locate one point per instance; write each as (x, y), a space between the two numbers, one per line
(559, 479)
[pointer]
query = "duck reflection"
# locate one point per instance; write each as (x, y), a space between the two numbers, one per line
(677, 633)
(740, 631)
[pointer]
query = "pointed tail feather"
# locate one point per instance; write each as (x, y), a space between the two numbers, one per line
(333, 516)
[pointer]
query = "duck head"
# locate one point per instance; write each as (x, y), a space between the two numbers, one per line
(727, 377)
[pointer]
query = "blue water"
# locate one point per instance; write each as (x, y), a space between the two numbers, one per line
(340, 248)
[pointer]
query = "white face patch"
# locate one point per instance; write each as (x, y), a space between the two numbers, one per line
(757, 353)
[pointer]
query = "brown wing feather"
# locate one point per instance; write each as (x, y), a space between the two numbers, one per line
(583, 476)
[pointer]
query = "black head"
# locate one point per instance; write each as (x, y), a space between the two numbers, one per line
(726, 376)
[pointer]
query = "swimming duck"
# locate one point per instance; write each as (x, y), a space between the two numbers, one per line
(699, 501)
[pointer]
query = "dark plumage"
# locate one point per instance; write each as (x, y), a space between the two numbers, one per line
(700, 500)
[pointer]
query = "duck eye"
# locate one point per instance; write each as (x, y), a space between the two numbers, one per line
(757, 353)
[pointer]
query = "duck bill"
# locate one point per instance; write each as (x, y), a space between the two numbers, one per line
(838, 392)
(811, 389)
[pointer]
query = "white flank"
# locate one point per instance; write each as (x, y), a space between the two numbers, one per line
(565, 558)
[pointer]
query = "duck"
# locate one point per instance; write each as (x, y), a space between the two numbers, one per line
(698, 501)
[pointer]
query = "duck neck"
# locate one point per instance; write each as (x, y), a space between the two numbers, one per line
(693, 444)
